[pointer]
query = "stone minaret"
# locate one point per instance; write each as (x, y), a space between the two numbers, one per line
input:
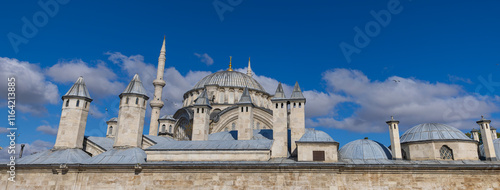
(475, 134)
(201, 118)
(395, 143)
(489, 150)
(156, 103)
(131, 115)
(297, 116)
(249, 69)
(280, 131)
(75, 109)
(245, 116)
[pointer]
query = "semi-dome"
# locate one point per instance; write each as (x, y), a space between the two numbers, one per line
(364, 149)
(433, 131)
(229, 79)
(496, 145)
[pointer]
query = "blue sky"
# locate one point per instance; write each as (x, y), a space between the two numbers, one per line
(444, 54)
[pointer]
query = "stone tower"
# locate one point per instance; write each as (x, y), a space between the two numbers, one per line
(297, 117)
(157, 103)
(475, 134)
(395, 143)
(249, 69)
(280, 132)
(131, 115)
(201, 118)
(245, 116)
(493, 133)
(75, 109)
(489, 150)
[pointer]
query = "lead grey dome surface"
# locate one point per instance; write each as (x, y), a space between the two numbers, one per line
(229, 79)
(312, 135)
(496, 145)
(433, 131)
(364, 149)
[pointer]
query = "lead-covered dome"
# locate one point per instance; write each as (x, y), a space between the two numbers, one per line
(229, 79)
(496, 145)
(365, 149)
(433, 131)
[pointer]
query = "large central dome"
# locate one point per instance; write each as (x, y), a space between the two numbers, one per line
(229, 79)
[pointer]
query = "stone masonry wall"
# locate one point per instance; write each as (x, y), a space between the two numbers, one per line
(224, 177)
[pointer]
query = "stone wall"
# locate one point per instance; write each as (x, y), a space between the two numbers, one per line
(429, 150)
(255, 177)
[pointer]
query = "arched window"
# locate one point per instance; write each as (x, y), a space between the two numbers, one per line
(403, 154)
(77, 103)
(136, 101)
(163, 128)
(276, 105)
(258, 126)
(300, 105)
(294, 105)
(86, 104)
(247, 109)
(110, 132)
(170, 129)
(126, 102)
(225, 129)
(67, 103)
(144, 102)
(233, 127)
(446, 153)
(241, 109)
(281, 105)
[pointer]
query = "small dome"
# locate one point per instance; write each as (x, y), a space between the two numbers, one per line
(229, 79)
(312, 135)
(365, 149)
(433, 131)
(167, 117)
(496, 145)
(113, 119)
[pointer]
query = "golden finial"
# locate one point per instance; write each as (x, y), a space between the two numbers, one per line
(230, 66)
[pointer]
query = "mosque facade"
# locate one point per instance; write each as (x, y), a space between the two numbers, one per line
(232, 133)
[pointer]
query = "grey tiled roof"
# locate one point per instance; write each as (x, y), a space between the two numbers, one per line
(496, 145)
(258, 134)
(279, 94)
(113, 119)
(432, 131)
(104, 142)
(364, 149)
(168, 117)
(229, 79)
(202, 99)
(119, 156)
(312, 135)
(158, 139)
(213, 145)
(297, 93)
(60, 156)
(245, 97)
(135, 87)
(78, 89)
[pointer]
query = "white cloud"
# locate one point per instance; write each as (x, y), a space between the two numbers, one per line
(47, 129)
(205, 58)
(35, 147)
(3, 130)
(453, 78)
(32, 88)
(100, 80)
(411, 101)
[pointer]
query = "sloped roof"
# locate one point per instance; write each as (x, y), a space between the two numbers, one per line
(168, 117)
(79, 89)
(135, 87)
(59, 156)
(279, 94)
(202, 99)
(158, 139)
(245, 97)
(104, 142)
(258, 134)
(297, 93)
(496, 145)
(213, 145)
(119, 156)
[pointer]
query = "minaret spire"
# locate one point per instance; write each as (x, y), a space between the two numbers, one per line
(230, 66)
(156, 103)
(249, 69)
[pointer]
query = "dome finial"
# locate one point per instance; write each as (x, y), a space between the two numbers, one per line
(230, 66)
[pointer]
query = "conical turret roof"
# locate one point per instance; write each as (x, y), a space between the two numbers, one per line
(297, 93)
(202, 99)
(280, 94)
(79, 89)
(135, 87)
(245, 97)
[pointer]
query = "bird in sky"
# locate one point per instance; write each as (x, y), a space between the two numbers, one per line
(396, 80)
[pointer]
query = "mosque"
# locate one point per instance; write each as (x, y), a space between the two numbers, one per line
(229, 120)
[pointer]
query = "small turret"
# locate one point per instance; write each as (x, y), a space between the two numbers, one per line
(201, 118)
(131, 115)
(280, 117)
(112, 127)
(245, 116)
(395, 142)
(297, 117)
(475, 134)
(489, 149)
(75, 110)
